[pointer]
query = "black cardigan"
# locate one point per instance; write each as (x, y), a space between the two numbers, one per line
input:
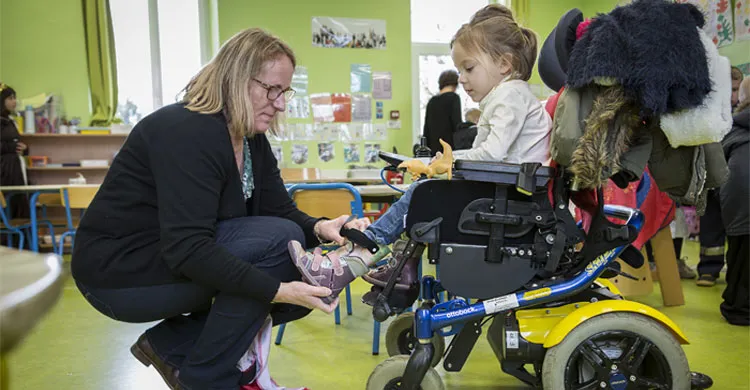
(154, 218)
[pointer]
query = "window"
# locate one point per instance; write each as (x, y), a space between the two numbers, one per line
(432, 29)
(158, 48)
(435, 21)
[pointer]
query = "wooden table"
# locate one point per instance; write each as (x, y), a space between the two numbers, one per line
(30, 284)
(35, 191)
(380, 193)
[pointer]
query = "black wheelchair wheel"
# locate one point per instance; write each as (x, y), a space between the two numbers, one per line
(387, 376)
(617, 351)
(400, 339)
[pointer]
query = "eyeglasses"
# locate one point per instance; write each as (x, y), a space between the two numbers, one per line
(274, 91)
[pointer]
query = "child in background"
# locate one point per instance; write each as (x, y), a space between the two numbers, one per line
(495, 57)
(466, 132)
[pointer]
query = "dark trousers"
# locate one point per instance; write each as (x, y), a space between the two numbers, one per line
(207, 344)
(712, 237)
(736, 305)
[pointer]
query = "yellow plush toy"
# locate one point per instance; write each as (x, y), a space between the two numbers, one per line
(438, 166)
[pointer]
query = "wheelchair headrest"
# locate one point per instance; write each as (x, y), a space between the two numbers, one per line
(555, 53)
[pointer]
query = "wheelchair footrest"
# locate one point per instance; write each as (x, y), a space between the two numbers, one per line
(461, 346)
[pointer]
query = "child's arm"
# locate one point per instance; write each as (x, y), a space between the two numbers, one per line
(497, 133)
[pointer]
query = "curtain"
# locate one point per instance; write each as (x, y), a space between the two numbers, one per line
(521, 10)
(102, 66)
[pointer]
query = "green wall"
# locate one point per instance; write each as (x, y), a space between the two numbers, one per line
(328, 69)
(42, 50)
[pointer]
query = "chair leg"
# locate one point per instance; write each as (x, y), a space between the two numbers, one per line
(280, 334)
(337, 314)
(348, 300)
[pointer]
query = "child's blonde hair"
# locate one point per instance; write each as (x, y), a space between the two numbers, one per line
(493, 30)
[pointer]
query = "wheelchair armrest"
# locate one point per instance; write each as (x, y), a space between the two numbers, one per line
(503, 173)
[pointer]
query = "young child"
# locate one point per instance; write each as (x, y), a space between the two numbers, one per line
(495, 57)
(466, 132)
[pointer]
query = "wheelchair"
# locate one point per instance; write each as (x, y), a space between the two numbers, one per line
(503, 235)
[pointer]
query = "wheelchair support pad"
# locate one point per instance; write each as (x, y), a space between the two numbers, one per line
(465, 272)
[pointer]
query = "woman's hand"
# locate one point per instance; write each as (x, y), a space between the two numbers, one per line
(329, 230)
(303, 294)
(21, 147)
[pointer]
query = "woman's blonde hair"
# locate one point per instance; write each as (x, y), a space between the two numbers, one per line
(492, 30)
(223, 84)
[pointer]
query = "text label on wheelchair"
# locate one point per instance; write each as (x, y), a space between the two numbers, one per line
(498, 304)
(599, 261)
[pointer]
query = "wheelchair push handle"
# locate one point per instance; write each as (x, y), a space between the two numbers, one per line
(620, 212)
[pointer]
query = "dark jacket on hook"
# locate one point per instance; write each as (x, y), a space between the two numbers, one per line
(652, 48)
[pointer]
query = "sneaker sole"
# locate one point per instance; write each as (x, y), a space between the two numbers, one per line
(296, 250)
(705, 284)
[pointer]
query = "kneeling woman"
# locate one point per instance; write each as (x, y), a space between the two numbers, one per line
(193, 217)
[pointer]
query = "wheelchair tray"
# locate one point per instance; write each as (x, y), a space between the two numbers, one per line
(498, 172)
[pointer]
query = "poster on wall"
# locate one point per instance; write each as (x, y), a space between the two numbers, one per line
(718, 13)
(351, 153)
(325, 151)
(371, 153)
(742, 20)
(299, 154)
(375, 132)
(354, 132)
(298, 107)
(381, 85)
(300, 80)
(348, 33)
(361, 78)
(745, 68)
(278, 153)
(322, 107)
(342, 107)
(361, 108)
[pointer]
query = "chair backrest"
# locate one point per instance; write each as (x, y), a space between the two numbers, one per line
(329, 200)
(77, 197)
(300, 174)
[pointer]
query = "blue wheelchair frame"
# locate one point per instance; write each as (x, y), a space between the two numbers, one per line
(455, 312)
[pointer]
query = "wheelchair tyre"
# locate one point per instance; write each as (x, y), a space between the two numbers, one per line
(387, 375)
(614, 335)
(400, 339)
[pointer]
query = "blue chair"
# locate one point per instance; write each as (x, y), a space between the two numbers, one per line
(9, 229)
(330, 200)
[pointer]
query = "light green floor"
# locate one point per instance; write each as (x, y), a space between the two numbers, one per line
(76, 348)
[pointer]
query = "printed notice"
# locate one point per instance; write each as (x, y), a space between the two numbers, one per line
(506, 302)
(381, 85)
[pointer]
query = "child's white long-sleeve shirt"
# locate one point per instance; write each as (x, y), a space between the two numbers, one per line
(513, 127)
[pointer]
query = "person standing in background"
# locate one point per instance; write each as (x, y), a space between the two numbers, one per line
(443, 113)
(11, 151)
(712, 234)
(734, 195)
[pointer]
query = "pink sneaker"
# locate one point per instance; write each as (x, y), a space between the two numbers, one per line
(335, 270)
